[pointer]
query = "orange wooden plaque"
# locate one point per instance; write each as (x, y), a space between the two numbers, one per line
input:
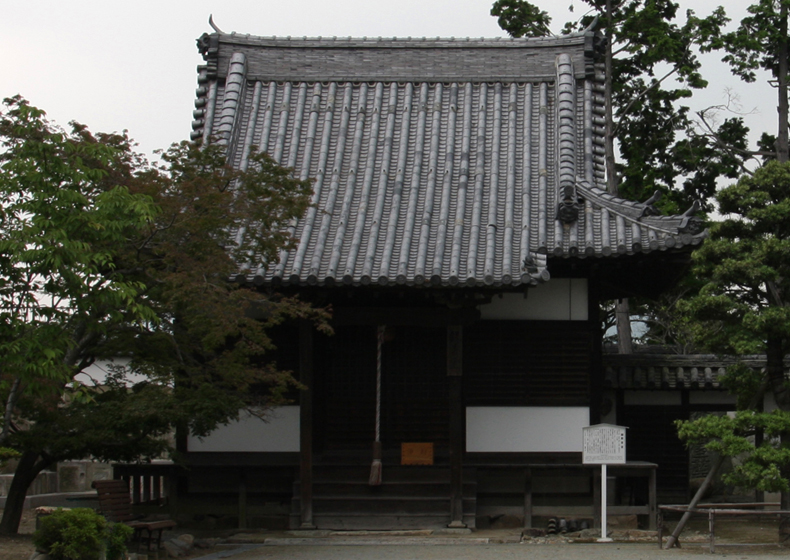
(416, 453)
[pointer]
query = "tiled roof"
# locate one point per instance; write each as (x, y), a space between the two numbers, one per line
(446, 162)
(673, 371)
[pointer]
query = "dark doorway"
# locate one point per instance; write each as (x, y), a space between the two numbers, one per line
(414, 395)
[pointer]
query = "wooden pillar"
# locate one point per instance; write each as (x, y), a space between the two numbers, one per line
(528, 498)
(172, 491)
(146, 488)
(652, 501)
(242, 499)
(597, 498)
(454, 373)
(306, 425)
(596, 357)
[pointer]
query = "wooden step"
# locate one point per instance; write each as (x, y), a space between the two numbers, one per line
(390, 473)
(381, 522)
(400, 506)
(409, 497)
(386, 489)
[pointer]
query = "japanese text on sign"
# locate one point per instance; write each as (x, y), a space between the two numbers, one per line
(604, 444)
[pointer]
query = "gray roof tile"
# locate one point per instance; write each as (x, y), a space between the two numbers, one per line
(645, 370)
(434, 161)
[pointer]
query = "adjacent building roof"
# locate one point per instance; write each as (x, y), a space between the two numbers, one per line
(653, 370)
(452, 162)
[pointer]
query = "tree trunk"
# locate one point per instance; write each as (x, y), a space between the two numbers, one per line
(774, 368)
(611, 171)
(673, 539)
(26, 472)
(622, 314)
(782, 145)
(757, 398)
(784, 499)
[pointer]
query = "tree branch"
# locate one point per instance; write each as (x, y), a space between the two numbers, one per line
(644, 92)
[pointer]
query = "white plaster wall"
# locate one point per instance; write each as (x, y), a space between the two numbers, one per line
(711, 397)
(279, 433)
(560, 299)
(667, 398)
(525, 429)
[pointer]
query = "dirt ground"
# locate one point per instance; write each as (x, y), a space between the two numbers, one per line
(745, 537)
(20, 547)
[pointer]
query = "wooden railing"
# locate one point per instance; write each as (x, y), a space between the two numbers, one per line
(644, 471)
(149, 484)
(712, 510)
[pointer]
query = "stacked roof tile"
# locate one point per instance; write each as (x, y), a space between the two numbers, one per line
(441, 162)
(674, 371)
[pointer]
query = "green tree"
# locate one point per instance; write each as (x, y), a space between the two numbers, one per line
(103, 255)
(744, 308)
(652, 67)
(761, 43)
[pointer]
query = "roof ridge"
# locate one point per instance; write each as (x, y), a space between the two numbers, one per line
(335, 39)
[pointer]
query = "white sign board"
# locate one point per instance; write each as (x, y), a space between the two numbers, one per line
(604, 444)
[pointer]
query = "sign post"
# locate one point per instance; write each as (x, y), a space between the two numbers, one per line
(604, 444)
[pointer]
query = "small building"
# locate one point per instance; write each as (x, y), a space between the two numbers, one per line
(461, 232)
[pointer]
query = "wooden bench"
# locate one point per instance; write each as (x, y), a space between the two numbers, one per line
(116, 506)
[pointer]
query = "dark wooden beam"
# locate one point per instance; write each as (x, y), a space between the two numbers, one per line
(454, 373)
(596, 360)
(404, 316)
(306, 425)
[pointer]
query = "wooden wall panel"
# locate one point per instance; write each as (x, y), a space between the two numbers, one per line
(415, 404)
(345, 378)
(414, 398)
(520, 363)
(652, 436)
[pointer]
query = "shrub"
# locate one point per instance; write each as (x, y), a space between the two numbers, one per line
(117, 536)
(7, 453)
(81, 534)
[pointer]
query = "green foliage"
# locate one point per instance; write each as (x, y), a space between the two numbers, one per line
(760, 43)
(7, 453)
(757, 466)
(116, 537)
(755, 43)
(658, 149)
(743, 309)
(60, 224)
(103, 255)
(744, 302)
(81, 534)
(521, 19)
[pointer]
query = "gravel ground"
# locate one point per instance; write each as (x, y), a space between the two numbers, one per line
(736, 539)
(502, 552)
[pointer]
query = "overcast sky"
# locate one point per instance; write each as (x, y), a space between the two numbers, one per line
(131, 65)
